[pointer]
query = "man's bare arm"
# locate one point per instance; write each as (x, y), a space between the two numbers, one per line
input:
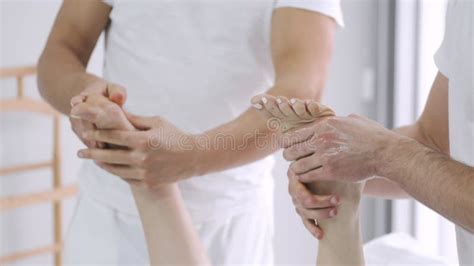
(426, 171)
(431, 130)
(430, 175)
(62, 66)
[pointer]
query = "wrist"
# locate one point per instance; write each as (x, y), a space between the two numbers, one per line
(145, 194)
(199, 155)
(398, 152)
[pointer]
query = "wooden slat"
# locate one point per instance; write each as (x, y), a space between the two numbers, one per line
(17, 71)
(54, 248)
(54, 195)
(20, 83)
(25, 167)
(57, 183)
(26, 105)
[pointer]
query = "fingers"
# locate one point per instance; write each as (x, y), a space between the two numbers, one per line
(320, 201)
(131, 139)
(319, 214)
(306, 164)
(298, 151)
(143, 122)
(303, 197)
(313, 228)
(124, 157)
(299, 108)
(79, 127)
(310, 207)
(123, 171)
(117, 94)
(319, 174)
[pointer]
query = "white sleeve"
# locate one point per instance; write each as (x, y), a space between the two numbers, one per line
(330, 8)
(441, 58)
(109, 2)
(443, 54)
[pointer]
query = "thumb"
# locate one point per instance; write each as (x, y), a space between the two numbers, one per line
(141, 122)
(116, 93)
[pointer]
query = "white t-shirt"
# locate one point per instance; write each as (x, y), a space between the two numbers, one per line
(455, 59)
(196, 63)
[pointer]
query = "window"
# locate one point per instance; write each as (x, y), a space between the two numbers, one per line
(420, 29)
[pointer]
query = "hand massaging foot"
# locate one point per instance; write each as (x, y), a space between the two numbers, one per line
(342, 243)
(161, 209)
(106, 114)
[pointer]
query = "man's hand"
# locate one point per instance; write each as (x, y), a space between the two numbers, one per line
(338, 149)
(113, 92)
(158, 153)
(310, 207)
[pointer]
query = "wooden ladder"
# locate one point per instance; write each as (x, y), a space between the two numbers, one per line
(58, 192)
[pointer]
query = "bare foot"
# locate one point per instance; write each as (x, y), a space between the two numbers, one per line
(290, 113)
(104, 113)
(342, 244)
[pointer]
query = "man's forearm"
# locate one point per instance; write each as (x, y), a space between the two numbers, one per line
(443, 184)
(248, 138)
(385, 188)
(61, 76)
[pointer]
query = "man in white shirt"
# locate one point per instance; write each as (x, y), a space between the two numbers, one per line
(431, 160)
(195, 64)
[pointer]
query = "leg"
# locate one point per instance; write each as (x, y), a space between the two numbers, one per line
(342, 244)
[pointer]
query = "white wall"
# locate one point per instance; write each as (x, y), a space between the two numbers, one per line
(24, 28)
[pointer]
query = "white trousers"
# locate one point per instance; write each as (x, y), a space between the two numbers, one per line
(99, 235)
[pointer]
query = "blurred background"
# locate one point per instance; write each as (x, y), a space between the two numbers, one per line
(382, 68)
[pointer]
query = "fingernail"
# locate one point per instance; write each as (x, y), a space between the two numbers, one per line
(334, 200)
(332, 213)
(279, 101)
(293, 101)
(75, 116)
(264, 100)
(257, 106)
(80, 154)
